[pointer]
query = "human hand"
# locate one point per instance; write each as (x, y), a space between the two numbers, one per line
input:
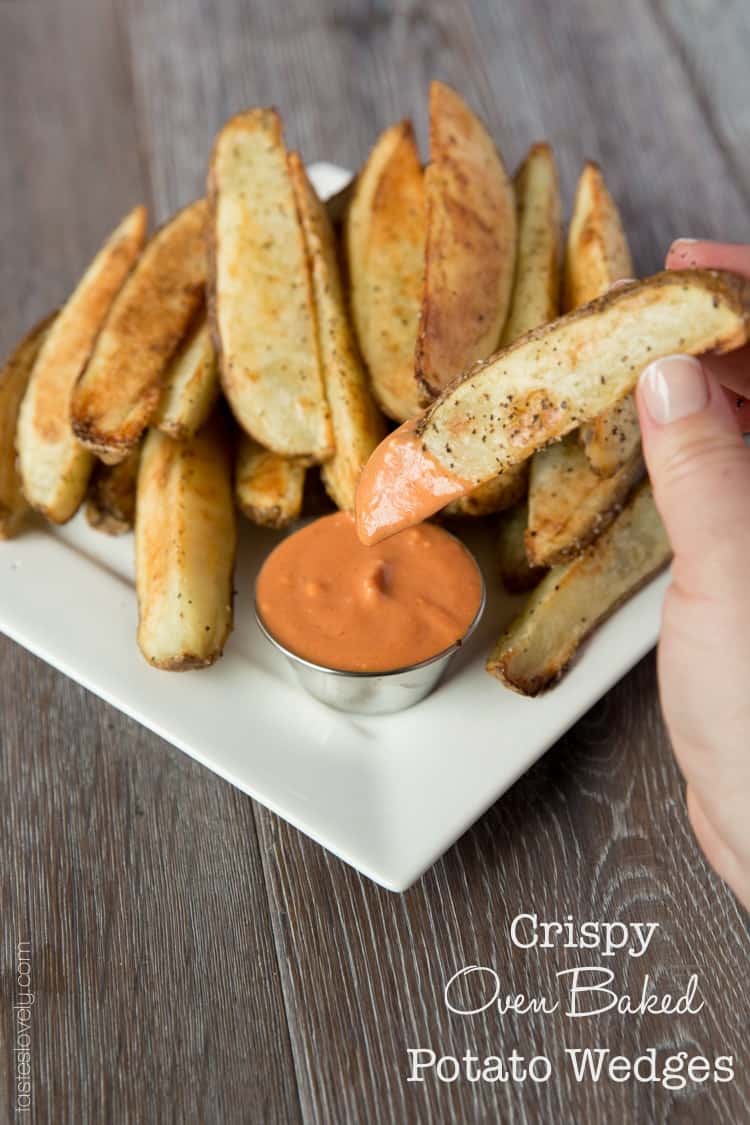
(700, 470)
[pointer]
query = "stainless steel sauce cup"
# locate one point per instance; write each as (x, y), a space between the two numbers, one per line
(373, 693)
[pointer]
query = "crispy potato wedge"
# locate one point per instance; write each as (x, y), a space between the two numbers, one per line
(574, 598)
(471, 244)
(268, 487)
(569, 505)
(55, 468)
(110, 504)
(260, 292)
(358, 425)
(534, 301)
(120, 387)
(385, 236)
(14, 379)
(185, 542)
(597, 254)
(535, 297)
(191, 385)
(567, 372)
(495, 495)
(516, 572)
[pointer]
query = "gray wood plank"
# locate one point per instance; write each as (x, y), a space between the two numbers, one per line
(134, 873)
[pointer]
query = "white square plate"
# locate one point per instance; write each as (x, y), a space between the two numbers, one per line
(388, 795)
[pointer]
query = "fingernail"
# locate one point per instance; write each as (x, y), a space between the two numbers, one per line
(674, 388)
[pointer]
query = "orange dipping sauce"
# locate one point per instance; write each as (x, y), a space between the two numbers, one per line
(333, 601)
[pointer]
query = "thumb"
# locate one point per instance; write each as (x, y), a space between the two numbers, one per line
(700, 472)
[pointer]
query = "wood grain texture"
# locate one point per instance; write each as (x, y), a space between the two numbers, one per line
(196, 958)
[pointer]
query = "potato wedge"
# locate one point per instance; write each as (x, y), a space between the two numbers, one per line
(120, 387)
(14, 379)
(574, 598)
(563, 374)
(471, 244)
(385, 236)
(597, 255)
(569, 505)
(191, 385)
(516, 572)
(268, 487)
(534, 300)
(54, 468)
(185, 542)
(260, 292)
(358, 425)
(110, 504)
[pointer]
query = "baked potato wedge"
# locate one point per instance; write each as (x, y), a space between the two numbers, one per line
(569, 505)
(120, 387)
(385, 232)
(535, 297)
(260, 292)
(191, 385)
(268, 487)
(110, 504)
(14, 379)
(185, 542)
(516, 572)
(567, 372)
(534, 300)
(471, 245)
(572, 599)
(55, 468)
(357, 423)
(597, 254)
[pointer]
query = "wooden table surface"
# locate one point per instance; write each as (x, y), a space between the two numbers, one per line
(194, 958)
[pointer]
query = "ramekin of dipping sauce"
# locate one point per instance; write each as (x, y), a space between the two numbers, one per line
(369, 629)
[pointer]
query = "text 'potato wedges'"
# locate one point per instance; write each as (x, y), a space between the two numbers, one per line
(471, 244)
(120, 388)
(14, 379)
(269, 488)
(55, 468)
(566, 373)
(385, 236)
(185, 542)
(260, 292)
(191, 386)
(574, 598)
(357, 423)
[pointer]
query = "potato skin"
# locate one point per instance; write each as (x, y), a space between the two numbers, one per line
(185, 544)
(191, 385)
(471, 245)
(110, 504)
(268, 487)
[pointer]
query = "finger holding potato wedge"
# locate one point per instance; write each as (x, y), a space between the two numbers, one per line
(385, 236)
(535, 299)
(574, 598)
(471, 244)
(562, 375)
(110, 503)
(185, 543)
(120, 387)
(191, 385)
(357, 423)
(14, 379)
(260, 292)
(269, 488)
(597, 255)
(55, 468)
